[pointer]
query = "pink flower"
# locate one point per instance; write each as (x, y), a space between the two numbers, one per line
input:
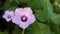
(23, 17)
(8, 15)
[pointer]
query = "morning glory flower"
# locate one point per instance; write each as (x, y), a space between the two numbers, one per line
(23, 17)
(8, 15)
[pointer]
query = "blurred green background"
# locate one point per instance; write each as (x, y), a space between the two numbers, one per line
(47, 13)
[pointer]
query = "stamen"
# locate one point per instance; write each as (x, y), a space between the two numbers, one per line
(24, 18)
(9, 16)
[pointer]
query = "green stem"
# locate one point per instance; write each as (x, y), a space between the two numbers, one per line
(23, 31)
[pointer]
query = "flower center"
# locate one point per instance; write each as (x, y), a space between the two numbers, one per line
(24, 18)
(9, 16)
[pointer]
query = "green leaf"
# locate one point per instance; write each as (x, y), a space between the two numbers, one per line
(39, 4)
(41, 15)
(17, 30)
(3, 33)
(58, 1)
(56, 29)
(10, 5)
(42, 9)
(52, 16)
(23, 1)
(39, 28)
(53, 33)
(28, 30)
(55, 18)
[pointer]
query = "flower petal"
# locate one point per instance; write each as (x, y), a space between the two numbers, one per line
(24, 26)
(22, 11)
(28, 10)
(16, 20)
(31, 19)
